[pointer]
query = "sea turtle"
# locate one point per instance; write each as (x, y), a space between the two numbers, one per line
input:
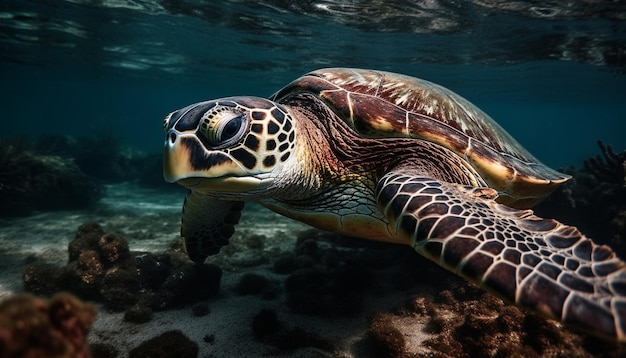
(389, 157)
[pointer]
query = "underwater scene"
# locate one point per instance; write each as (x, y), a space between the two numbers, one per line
(104, 114)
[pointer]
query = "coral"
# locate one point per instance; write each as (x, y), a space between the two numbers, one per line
(32, 181)
(594, 199)
(103, 156)
(386, 340)
(466, 322)
(102, 267)
(186, 284)
(166, 345)
(34, 327)
(100, 155)
(446, 316)
(611, 169)
(87, 237)
(114, 248)
(42, 279)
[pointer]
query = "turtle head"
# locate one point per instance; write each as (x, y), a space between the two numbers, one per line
(227, 145)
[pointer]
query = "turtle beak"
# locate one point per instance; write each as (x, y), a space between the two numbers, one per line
(176, 163)
(185, 157)
(216, 174)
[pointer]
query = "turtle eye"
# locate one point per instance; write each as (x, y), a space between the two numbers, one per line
(231, 129)
(223, 126)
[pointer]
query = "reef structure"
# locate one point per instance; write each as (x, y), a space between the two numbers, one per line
(36, 327)
(594, 200)
(30, 180)
(102, 268)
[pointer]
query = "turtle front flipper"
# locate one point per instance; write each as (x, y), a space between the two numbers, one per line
(539, 264)
(207, 224)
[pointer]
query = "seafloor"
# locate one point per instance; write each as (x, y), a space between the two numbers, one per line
(281, 288)
(290, 291)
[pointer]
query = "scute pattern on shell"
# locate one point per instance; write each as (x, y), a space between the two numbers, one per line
(381, 104)
(431, 100)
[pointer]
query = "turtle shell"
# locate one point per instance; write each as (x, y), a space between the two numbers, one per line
(382, 104)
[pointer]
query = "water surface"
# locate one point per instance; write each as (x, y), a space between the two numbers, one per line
(553, 75)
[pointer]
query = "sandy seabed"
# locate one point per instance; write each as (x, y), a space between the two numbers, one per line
(427, 313)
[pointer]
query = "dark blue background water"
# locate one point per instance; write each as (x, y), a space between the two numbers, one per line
(552, 76)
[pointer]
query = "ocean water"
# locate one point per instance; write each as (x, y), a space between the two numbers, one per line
(552, 74)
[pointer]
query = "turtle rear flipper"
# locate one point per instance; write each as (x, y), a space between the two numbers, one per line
(207, 224)
(539, 264)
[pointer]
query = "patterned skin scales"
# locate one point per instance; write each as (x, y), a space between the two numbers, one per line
(393, 158)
